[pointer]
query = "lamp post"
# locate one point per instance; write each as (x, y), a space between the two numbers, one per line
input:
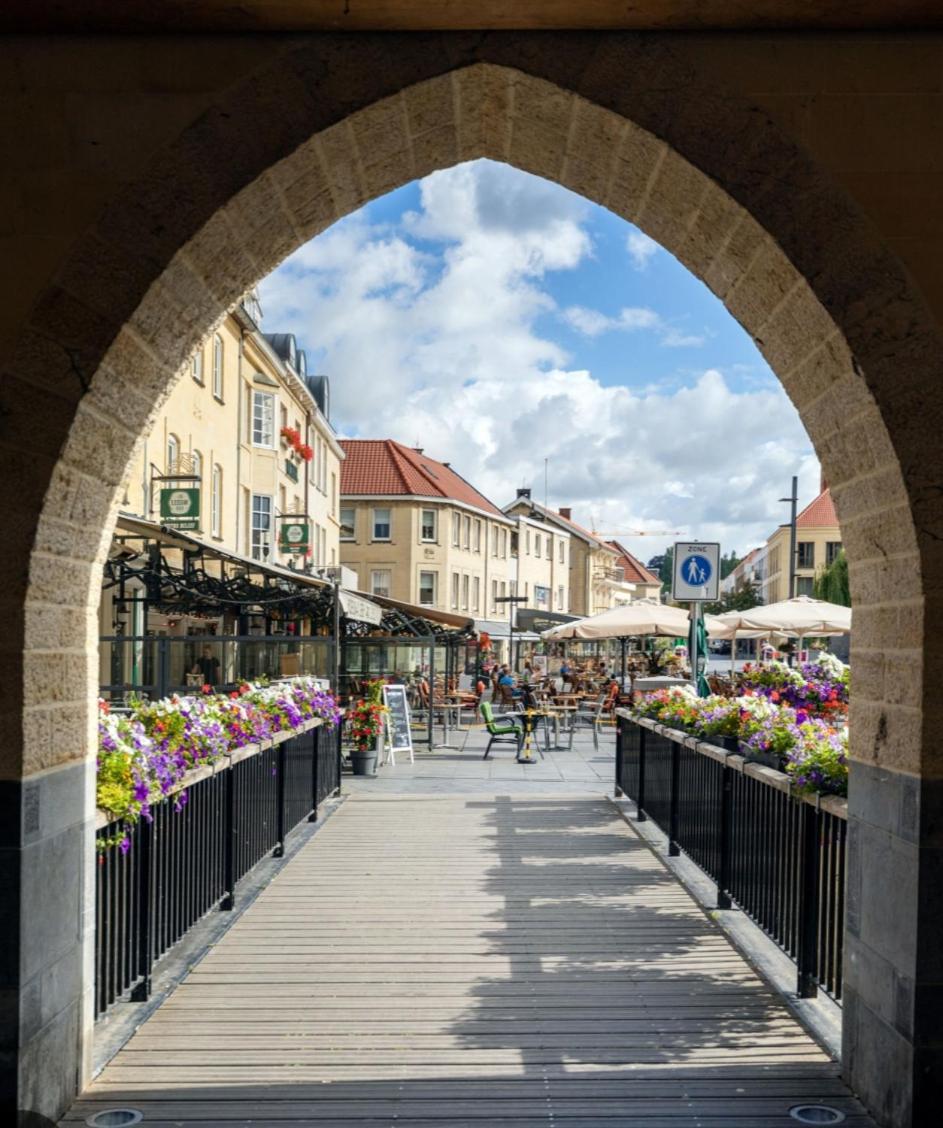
(510, 600)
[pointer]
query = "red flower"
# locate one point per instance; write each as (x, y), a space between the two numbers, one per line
(206, 688)
(774, 696)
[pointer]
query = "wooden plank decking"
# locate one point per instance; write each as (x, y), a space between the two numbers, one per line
(472, 961)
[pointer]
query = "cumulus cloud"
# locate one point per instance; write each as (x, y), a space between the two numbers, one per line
(434, 330)
(641, 249)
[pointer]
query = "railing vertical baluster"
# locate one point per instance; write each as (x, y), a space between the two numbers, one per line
(618, 786)
(339, 728)
(229, 840)
(807, 987)
(147, 846)
(281, 761)
(726, 821)
(674, 800)
(315, 752)
(640, 800)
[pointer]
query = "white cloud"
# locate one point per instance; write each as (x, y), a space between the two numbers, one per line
(592, 323)
(641, 249)
(429, 330)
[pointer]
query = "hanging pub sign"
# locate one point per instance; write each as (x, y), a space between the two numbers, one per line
(293, 537)
(180, 507)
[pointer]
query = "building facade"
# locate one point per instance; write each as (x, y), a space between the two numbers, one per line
(595, 583)
(249, 430)
(629, 569)
(818, 543)
(415, 530)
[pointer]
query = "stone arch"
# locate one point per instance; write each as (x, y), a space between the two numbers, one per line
(331, 124)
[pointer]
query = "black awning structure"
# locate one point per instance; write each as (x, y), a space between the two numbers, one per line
(181, 575)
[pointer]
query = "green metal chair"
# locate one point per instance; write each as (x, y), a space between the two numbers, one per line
(500, 734)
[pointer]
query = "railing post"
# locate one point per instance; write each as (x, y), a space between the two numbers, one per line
(618, 786)
(726, 821)
(280, 761)
(146, 873)
(315, 749)
(229, 840)
(339, 728)
(674, 800)
(640, 815)
(809, 828)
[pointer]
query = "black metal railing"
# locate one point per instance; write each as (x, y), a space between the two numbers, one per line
(187, 862)
(779, 856)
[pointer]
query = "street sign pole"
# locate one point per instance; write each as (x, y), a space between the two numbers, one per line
(695, 580)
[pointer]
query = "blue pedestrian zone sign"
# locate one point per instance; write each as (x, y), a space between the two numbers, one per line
(696, 572)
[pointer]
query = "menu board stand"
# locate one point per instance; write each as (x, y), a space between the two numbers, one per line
(397, 734)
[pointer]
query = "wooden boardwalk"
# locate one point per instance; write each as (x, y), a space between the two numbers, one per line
(482, 960)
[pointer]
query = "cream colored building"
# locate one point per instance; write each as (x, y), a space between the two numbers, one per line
(818, 542)
(223, 424)
(414, 530)
(540, 564)
(595, 583)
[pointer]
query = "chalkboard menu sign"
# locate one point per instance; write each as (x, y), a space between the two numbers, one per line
(398, 731)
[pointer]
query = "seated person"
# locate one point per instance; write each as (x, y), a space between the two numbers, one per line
(506, 684)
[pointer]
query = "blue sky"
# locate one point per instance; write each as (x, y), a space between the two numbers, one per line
(497, 320)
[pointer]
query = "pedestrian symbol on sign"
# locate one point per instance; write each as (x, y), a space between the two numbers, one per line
(697, 570)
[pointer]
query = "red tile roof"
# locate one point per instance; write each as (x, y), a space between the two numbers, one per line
(384, 468)
(818, 514)
(557, 516)
(633, 569)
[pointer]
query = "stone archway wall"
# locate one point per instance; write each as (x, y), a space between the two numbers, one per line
(331, 124)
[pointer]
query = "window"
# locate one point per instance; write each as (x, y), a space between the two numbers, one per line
(562, 551)
(476, 593)
(347, 532)
(465, 585)
(515, 542)
(504, 589)
(381, 524)
(263, 419)
(427, 581)
(218, 366)
(527, 543)
(832, 549)
(494, 540)
(283, 417)
(560, 597)
(216, 502)
(196, 366)
(173, 453)
(455, 591)
(380, 581)
(478, 536)
(804, 585)
(427, 526)
(541, 596)
(333, 493)
(537, 545)
(466, 541)
(504, 543)
(197, 460)
(261, 526)
(805, 554)
(494, 595)
(456, 530)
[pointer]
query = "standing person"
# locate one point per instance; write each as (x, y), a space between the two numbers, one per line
(528, 675)
(207, 666)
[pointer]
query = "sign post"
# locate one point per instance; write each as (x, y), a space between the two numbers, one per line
(696, 580)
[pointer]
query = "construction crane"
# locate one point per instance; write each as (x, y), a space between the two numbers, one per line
(642, 533)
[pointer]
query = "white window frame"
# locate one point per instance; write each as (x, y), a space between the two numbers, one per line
(476, 593)
(466, 534)
(422, 526)
(173, 452)
(196, 366)
(374, 522)
(435, 588)
(219, 352)
(455, 586)
(260, 534)
(562, 552)
(477, 535)
(385, 589)
(456, 529)
(537, 545)
(216, 501)
(263, 404)
(352, 509)
(466, 588)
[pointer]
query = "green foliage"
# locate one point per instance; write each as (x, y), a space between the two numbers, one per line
(832, 582)
(740, 599)
(728, 562)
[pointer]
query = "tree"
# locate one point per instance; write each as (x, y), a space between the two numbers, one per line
(743, 597)
(832, 582)
(727, 564)
(662, 566)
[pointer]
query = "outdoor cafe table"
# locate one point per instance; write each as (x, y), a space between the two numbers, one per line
(646, 685)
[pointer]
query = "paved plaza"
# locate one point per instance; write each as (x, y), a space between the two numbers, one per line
(467, 943)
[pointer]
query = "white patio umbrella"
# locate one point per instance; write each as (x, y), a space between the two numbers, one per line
(794, 618)
(630, 620)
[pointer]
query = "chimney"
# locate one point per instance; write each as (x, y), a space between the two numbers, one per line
(523, 492)
(565, 511)
(418, 450)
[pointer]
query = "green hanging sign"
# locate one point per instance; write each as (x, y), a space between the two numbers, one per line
(293, 537)
(180, 507)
